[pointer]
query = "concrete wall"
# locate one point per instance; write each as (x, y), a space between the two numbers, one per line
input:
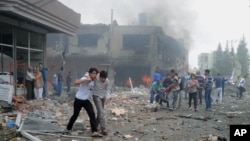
(100, 49)
(117, 42)
(122, 60)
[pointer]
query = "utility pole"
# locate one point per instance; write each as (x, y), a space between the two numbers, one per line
(110, 41)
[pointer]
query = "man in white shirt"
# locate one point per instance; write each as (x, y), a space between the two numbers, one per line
(101, 92)
(82, 100)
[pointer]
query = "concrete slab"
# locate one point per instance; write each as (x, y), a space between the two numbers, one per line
(39, 125)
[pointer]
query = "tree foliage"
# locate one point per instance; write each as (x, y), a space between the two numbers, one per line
(227, 66)
(243, 56)
(224, 60)
(218, 59)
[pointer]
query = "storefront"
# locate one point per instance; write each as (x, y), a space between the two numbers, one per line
(23, 28)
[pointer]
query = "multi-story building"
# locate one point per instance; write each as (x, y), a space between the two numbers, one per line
(125, 51)
(205, 61)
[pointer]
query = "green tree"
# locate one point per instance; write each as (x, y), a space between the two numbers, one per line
(226, 62)
(218, 59)
(243, 56)
(232, 53)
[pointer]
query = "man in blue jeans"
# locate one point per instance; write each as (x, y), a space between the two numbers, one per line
(60, 82)
(208, 89)
(44, 70)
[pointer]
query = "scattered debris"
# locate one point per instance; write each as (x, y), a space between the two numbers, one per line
(127, 136)
(118, 111)
(132, 114)
(190, 117)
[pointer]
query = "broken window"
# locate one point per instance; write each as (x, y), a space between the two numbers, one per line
(136, 41)
(87, 40)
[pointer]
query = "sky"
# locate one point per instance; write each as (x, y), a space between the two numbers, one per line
(200, 24)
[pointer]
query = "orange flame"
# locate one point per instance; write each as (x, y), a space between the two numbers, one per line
(146, 79)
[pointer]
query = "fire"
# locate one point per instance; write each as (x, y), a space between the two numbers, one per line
(127, 83)
(146, 79)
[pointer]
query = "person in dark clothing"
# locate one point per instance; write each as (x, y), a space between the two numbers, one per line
(193, 84)
(223, 85)
(201, 81)
(182, 83)
(208, 85)
(167, 81)
(167, 85)
(60, 82)
(242, 86)
(187, 78)
(29, 83)
(68, 81)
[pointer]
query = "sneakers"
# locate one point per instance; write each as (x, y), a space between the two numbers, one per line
(96, 134)
(208, 109)
(104, 132)
(66, 131)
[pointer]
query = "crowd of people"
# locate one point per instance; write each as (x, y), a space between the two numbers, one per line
(172, 88)
(36, 82)
(169, 89)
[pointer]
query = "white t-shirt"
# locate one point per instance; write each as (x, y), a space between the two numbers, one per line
(83, 92)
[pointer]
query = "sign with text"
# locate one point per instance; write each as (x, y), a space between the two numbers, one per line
(239, 132)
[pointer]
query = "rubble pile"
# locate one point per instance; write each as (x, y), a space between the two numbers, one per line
(129, 116)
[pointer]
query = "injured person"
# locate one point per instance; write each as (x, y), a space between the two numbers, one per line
(161, 97)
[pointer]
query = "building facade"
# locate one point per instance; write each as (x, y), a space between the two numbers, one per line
(125, 51)
(23, 28)
(205, 61)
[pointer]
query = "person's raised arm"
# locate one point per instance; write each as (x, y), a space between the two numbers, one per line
(82, 80)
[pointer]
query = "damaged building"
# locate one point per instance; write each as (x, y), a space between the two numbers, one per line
(125, 51)
(23, 28)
